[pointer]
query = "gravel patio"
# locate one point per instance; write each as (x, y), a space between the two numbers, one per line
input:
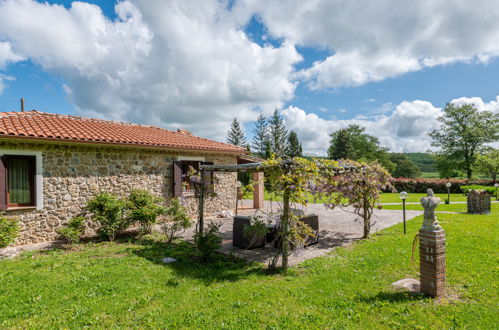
(336, 228)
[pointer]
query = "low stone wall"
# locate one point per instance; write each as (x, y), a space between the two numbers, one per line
(73, 174)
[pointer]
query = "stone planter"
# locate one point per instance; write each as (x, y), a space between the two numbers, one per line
(478, 202)
(238, 238)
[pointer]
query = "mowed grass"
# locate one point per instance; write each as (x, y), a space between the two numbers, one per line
(385, 198)
(452, 207)
(109, 285)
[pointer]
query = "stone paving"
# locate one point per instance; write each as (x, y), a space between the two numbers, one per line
(336, 228)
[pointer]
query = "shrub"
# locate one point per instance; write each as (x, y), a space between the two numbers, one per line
(254, 231)
(9, 229)
(438, 185)
(73, 230)
(176, 221)
(144, 209)
(208, 241)
(109, 212)
(489, 190)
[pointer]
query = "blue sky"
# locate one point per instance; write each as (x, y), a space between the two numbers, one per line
(321, 75)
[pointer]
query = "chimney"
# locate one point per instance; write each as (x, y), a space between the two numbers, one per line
(22, 104)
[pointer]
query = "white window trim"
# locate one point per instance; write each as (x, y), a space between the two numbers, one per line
(38, 172)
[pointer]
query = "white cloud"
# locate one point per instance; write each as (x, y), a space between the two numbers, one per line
(168, 63)
(7, 55)
(4, 78)
(373, 40)
(478, 103)
(404, 130)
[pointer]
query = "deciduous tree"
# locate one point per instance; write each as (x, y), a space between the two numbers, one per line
(355, 144)
(404, 166)
(488, 163)
(464, 132)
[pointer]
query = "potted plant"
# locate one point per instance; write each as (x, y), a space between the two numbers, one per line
(253, 230)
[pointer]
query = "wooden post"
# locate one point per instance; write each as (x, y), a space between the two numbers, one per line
(201, 204)
(285, 228)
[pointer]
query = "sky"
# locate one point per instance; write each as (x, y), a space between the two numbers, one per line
(323, 64)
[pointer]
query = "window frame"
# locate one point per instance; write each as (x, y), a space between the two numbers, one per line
(184, 178)
(38, 184)
(31, 176)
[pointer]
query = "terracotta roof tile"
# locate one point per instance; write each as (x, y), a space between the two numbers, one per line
(41, 125)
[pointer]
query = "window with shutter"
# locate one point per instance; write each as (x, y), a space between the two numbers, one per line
(181, 172)
(20, 180)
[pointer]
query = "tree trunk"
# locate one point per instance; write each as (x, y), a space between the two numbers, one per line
(367, 226)
(367, 221)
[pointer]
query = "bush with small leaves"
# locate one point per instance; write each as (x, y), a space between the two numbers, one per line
(9, 229)
(208, 241)
(110, 213)
(144, 209)
(176, 220)
(73, 231)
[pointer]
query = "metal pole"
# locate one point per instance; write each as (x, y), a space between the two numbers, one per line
(448, 194)
(403, 207)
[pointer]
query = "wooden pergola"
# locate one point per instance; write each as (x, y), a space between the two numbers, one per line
(287, 166)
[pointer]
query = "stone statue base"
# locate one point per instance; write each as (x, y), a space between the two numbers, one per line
(432, 261)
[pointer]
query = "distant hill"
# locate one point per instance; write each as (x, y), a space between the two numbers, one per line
(425, 162)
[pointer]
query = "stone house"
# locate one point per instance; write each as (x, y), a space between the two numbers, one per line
(52, 164)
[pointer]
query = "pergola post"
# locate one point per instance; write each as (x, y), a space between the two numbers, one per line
(201, 204)
(285, 228)
(258, 190)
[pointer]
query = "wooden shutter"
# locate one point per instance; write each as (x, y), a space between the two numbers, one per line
(208, 178)
(177, 179)
(3, 183)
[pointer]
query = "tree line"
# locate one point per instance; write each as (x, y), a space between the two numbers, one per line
(270, 136)
(463, 143)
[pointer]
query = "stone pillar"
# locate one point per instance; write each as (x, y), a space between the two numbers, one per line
(432, 262)
(431, 249)
(258, 194)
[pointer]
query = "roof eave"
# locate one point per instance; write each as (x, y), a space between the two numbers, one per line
(120, 144)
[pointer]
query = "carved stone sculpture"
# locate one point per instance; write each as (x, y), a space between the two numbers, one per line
(430, 203)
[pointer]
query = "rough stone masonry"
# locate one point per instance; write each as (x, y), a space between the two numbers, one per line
(431, 249)
(73, 174)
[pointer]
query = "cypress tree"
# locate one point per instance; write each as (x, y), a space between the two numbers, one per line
(278, 135)
(260, 136)
(235, 135)
(294, 146)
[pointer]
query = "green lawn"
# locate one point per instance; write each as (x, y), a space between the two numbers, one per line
(461, 208)
(385, 198)
(430, 175)
(125, 285)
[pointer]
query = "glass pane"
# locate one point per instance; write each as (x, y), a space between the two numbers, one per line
(19, 182)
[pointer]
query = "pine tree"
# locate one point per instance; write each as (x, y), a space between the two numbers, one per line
(278, 135)
(294, 146)
(260, 136)
(235, 135)
(268, 150)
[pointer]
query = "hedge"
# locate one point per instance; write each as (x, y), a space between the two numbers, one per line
(438, 185)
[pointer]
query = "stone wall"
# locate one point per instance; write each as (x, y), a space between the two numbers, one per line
(73, 174)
